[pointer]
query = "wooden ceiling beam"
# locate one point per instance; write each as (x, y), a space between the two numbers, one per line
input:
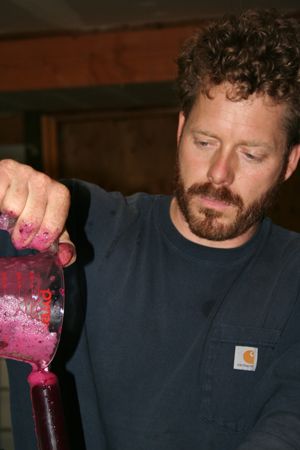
(94, 59)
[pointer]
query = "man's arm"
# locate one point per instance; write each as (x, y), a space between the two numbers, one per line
(278, 427)
(277, 424)
(34, 209)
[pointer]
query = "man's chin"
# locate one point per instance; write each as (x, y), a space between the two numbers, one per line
(215, 226)
(212, 234)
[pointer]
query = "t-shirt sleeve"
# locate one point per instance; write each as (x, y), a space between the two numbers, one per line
(97, 218)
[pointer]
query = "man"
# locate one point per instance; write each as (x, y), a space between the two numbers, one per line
(182, 323)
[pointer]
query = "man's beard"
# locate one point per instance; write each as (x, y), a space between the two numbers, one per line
(206, 222)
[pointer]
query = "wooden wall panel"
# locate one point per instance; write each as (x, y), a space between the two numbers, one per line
(11, 129)
(128, 151)
(286, 212)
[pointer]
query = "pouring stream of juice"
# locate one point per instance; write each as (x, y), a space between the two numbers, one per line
(47, 410)
(31, 312)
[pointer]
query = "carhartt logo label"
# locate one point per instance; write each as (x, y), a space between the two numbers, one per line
(245, 358)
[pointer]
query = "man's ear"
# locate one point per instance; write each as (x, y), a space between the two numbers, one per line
(293, 161)
(181, 122)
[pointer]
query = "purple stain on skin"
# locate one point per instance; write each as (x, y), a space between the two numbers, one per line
(8, 221)
(40, 241)
(25, 230)
(43, 239)
(66, 252)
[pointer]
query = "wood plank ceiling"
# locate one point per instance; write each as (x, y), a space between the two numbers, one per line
(66, 54)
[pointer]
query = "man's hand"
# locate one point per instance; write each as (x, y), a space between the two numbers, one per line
(34, 209)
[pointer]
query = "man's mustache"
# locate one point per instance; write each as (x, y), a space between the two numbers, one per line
(223, 194)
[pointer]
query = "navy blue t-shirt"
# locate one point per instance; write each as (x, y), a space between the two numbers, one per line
(152, 326)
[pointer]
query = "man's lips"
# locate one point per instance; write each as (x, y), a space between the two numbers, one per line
(214, 203)
(209, 197)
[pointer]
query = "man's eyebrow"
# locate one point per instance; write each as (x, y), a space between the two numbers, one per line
(205, 133)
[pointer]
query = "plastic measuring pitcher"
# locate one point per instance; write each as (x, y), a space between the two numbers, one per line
(31, 316)
(31, 308)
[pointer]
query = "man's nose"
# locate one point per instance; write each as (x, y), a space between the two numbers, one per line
(221, 171)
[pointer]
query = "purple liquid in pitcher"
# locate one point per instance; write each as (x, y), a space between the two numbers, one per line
(31, 308)
(24, 337)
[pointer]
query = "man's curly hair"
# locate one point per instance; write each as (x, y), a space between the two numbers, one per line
(257, 52)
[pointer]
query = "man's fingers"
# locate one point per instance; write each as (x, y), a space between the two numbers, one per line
(32, 215)
(55, 214)
(34, 209)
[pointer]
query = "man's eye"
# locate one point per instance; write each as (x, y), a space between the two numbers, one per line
(201, 143)
(250, 156)
(253, 157)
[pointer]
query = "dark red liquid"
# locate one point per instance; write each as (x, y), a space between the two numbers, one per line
(47, 411)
